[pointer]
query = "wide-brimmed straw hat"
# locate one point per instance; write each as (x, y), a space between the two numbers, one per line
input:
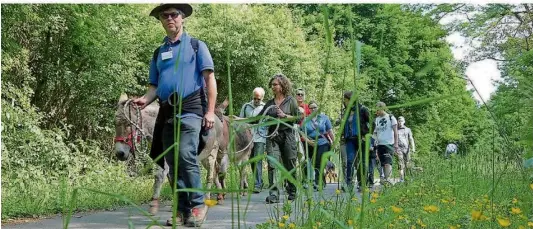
(185, 8)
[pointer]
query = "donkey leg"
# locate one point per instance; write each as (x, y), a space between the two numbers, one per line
(209, 166)
(221, 177)
(158, 184)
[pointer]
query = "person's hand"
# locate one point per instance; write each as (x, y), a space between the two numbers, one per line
(209, 120)
(396, 148)
(280, 113)
(142, 102)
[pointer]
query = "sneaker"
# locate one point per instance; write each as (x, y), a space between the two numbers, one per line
(179, 220)
(272, 199)
(198, 216)
(257, 190)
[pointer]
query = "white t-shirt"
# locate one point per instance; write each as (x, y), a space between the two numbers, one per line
(384, 130)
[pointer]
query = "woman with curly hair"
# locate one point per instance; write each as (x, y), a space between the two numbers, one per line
(283, 143)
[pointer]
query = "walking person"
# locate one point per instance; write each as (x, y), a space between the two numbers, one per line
(283, 143)
(386, 132)
(355, 128)
(317, 127)
(169, 82)
(249, 110)
(406, 147)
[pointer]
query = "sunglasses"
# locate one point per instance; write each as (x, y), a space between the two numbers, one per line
(300, 94)
(164, 16)
(256, 99)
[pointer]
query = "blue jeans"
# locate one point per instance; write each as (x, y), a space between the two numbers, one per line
(188, 166)
(352, 147)
(259, 149)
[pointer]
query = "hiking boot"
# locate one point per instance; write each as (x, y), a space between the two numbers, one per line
(272, 199)
(292, 196)
(179, 219)
(198, 216)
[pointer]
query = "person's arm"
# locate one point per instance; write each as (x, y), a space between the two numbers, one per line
(329, 130)
(395, 130)
(412, 140)
(205, 64)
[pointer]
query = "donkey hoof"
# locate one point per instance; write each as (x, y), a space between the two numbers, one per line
(153, 210)
(154, 207)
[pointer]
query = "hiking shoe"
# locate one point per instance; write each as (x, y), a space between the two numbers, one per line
(272, 199)
(179, 219)
(198, 216)
(257, 190)
(292, 196)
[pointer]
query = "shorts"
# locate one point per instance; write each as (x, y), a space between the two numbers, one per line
(404, 158)
(385, 154)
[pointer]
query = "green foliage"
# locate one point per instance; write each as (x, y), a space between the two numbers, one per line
(64, 66)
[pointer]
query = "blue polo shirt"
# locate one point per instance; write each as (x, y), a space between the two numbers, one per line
(180, 72)
(321, 125)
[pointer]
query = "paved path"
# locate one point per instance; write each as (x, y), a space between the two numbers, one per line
(218, 216)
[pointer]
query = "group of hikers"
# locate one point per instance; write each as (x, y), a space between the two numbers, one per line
(306, 131)
(389, 138)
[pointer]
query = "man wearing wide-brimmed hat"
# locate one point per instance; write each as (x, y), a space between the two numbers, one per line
(177, 73)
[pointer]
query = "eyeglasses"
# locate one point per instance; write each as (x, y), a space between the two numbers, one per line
(300, 94)
(164, 16)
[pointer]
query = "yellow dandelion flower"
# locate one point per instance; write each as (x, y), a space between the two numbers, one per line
(530, 224)
(381, 209)
(210, 203)
(285, 217)
(350, 222)
(521, 227)
(358, 209)
(445, 201)
(431, 208)
(476, 215)
(419, 222)
(504, 222)
(516, 211)
(372, 200)
(515, 201)
(455, 226)
(292, 225)
(396, 209)
(281, 225)
(375, 195)
(531, 186)
(400, 217)
(337, 191)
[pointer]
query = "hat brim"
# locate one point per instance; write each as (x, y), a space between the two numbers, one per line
(185, 8)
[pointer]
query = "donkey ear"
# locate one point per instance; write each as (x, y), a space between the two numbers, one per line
(225, 103)
(123, 97)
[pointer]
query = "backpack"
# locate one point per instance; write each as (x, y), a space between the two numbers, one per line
(194, 44)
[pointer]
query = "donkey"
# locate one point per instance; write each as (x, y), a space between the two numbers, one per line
(130, 129)
(243, 149)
